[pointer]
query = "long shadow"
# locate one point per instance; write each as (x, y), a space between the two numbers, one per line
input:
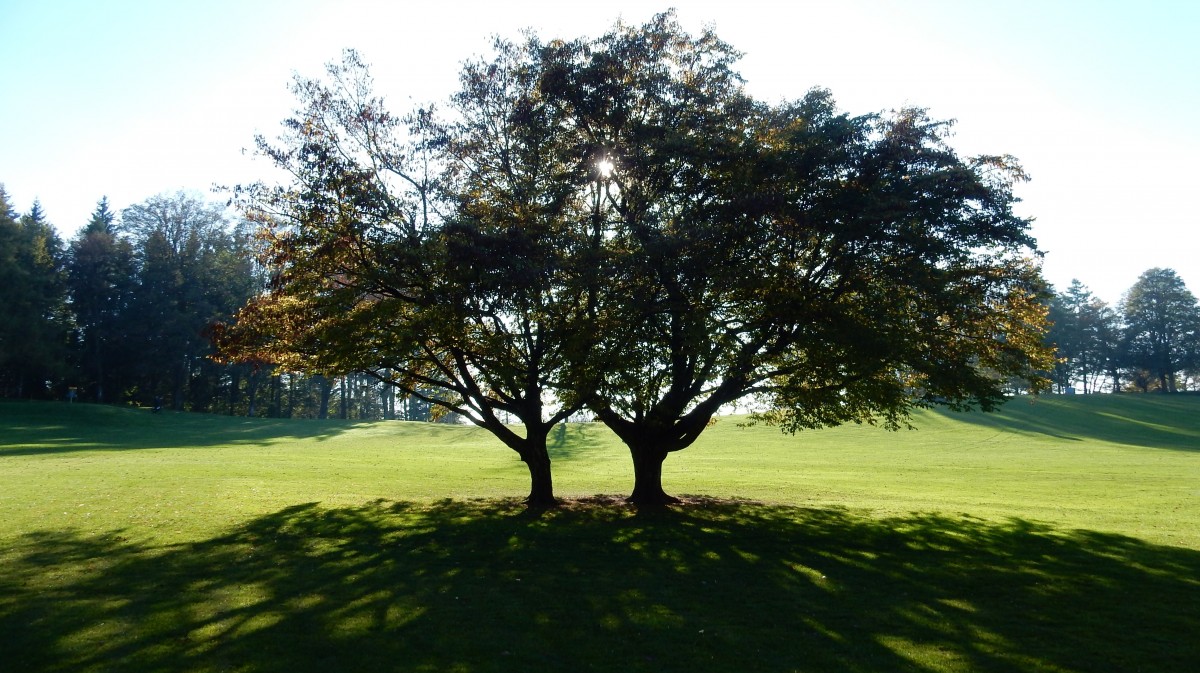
(571, 440)
(1152, 421)
(486, 586)
(34, 428)
(37, 428)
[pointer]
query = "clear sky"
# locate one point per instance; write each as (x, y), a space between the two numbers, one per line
(1097, 99)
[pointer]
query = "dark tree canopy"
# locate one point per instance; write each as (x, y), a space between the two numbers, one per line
(100, 279)
(192, 269)
(1086, 336)
(830, 268)
(615, 222)
(1162, 326)
(34, 322)
(434, 256)
(119, 314)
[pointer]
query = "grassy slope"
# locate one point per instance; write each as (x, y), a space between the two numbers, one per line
(1128, 464)
(1055, 536)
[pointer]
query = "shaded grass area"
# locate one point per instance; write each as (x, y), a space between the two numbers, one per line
(1152, 421)
(35, 428)
(132, 541)
(486, 586)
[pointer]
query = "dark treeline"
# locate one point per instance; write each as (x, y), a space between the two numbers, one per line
(1149, 342)
(119, 314)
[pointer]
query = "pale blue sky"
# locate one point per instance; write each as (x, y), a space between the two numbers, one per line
(1098, 100)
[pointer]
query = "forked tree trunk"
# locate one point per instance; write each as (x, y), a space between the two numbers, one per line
(647, 478)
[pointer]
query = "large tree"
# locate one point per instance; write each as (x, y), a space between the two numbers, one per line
(193, 268)
(100, 280)
(616, 222)
(431, 256)
(830, 268)
(33, 317)
(1162, 326)
(1086, 336)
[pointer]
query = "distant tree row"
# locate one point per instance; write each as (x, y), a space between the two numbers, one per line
(1149, 342)
(120, 314)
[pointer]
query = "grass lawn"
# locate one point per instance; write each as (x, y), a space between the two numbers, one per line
(1057, 535)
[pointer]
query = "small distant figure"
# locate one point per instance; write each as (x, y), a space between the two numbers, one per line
(157, 404)
(72, 393)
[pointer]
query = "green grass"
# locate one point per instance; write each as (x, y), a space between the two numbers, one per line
(1059, 535)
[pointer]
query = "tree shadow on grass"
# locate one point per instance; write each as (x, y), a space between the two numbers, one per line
(1152, 421)
(572, 440)
(714, 586)
(35, 428)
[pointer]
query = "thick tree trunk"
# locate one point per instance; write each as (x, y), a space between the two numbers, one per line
(1167, 382)
(541, 485)
(647, 478)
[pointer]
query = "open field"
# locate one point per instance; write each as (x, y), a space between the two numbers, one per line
(1058, 535)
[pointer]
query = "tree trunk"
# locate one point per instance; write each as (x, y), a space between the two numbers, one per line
(252, 393)
(235, 390)
(1166, 382)
(541, 485)
(291, 395)
(177, 387)
(647, 478)
(99, 370)
(344, 411)
(326, 388)
(274, 409)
